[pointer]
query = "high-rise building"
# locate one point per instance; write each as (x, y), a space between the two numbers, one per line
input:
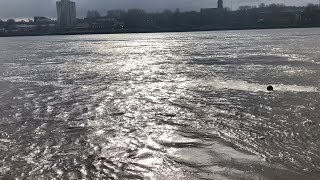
(66, 13)
(220, 4)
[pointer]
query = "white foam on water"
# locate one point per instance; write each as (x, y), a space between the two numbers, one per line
(221, 84)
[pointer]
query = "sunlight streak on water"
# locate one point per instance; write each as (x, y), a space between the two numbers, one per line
(161, 106)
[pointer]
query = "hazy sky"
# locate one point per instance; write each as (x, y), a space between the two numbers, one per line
(30, 8)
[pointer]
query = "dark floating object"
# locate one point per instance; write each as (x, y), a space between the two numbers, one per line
(270, 88)
(118, 114)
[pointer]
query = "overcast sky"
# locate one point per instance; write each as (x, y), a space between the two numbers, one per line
(30, 8)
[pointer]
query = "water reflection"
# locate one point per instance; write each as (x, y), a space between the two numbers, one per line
(160, 106)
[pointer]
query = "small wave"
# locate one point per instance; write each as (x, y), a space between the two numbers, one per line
(245, 86)
(19, 79)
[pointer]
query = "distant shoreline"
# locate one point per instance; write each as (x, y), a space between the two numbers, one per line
(164, 30)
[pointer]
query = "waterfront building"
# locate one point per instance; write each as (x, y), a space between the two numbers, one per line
(42, 20)
(220, 4)
(66, 13)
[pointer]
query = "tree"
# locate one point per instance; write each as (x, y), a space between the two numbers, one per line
(10, 22)
(311, 5)
(228, 9)
(245, 8)
(93, 14)
(274, 6)
(135, 18)
(167, 12)
(177, 11)
(262, 5)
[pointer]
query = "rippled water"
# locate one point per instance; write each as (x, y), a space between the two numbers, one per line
(161, 106)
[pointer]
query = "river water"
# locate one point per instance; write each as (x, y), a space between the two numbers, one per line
(161, 106)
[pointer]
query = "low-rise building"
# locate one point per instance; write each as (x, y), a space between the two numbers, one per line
(2, 30)
(25, 28)
(42, 20)
(83, 26)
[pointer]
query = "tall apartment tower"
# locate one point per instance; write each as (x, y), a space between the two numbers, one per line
(66, 13)
(220, 4)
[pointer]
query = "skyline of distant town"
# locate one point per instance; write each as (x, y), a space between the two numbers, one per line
(231, 4)
(218, 17)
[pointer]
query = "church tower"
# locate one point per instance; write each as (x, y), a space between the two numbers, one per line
(220, 4)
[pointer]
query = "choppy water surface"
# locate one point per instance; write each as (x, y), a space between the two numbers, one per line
(161, 106)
